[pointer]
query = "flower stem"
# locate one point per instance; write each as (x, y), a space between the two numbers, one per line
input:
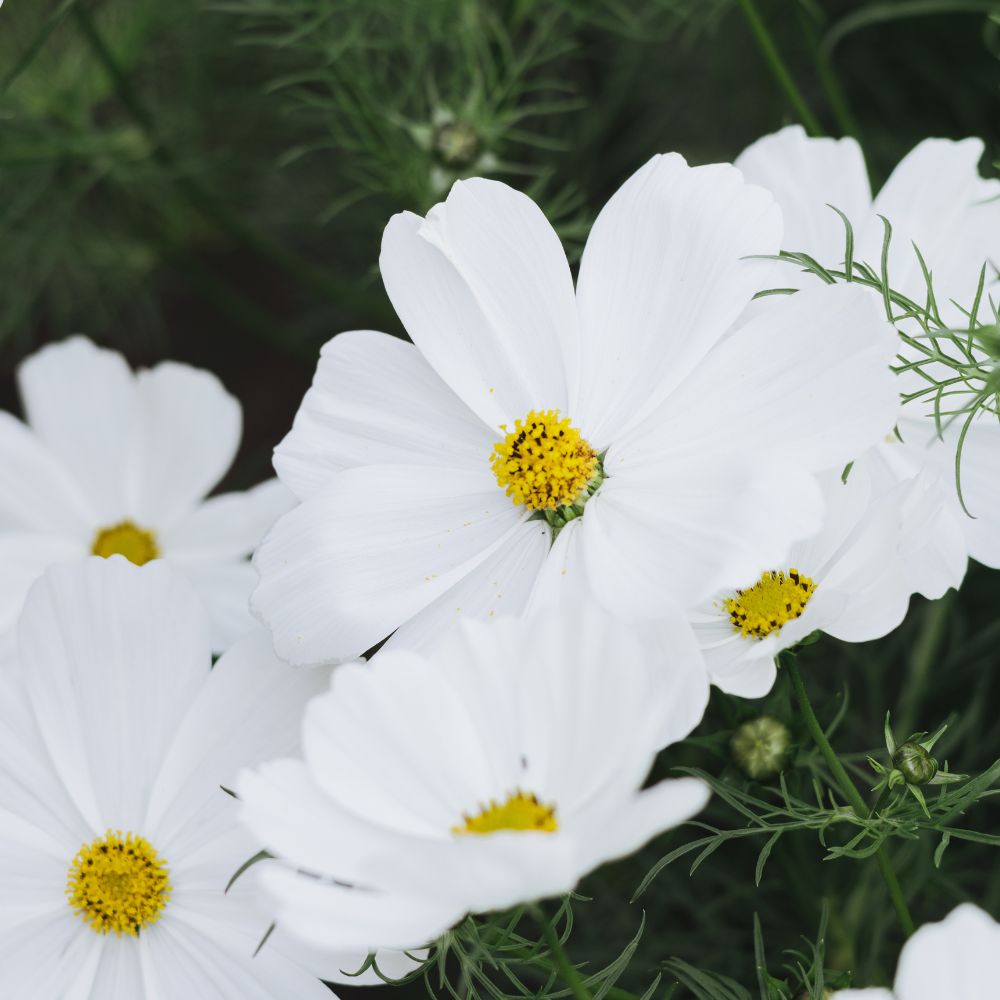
(847, 787)
(570, 976)
(778, 68)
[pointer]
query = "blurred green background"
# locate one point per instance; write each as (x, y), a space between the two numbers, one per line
(208, 181)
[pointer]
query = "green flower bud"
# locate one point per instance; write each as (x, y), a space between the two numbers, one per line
(760, 747)
(914, 763)
(457, 144)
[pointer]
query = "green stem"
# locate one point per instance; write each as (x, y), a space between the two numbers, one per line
(848, 789)
(828, 78)
(778, 68)
(925, 652)
(197, 197)
(570, 976)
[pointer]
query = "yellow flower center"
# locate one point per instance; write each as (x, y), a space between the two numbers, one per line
(520, 811)
(774, 600)
(118, 884)
(543, 463)
(126, 539)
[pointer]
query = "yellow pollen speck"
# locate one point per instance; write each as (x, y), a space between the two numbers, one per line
(118, 884)
(774, 600)
(520, 811)
(544, 463)
(126, 539)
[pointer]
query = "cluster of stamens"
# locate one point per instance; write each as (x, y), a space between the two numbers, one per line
(774, 600)
(118, 884)
(126, 539)
(519, 811)
(543, 463)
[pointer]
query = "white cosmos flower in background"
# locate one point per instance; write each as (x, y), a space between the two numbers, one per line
(115, 462)
(937, 200)
(430, 475)
(849, 581)
(498, 769)
(113, 728)
(955, 959)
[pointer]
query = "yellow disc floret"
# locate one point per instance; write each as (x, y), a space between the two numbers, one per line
(126, 539)
(118, 884)
(520, 811)
(774, 600)
(543, 463)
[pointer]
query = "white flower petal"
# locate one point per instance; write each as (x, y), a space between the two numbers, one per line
(956, 958)
(319, 912)
(49, 958)
(108, 641)
(661, 280)
(831, 397)
(80, 401)
(665, 805)
(36, 491)
(187, 431)
(119, 972)
(224, 589)
(227, 526)
(374, 547)
(24, 556)
(936, 199)
(36, 811)
(807, 175)
(213, 961)
(249, 710)
(374, 400)
(499, 585)
(484, 290)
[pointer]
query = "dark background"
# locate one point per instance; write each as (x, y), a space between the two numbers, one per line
(209, 182)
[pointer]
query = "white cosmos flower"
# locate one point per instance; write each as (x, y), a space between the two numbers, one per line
(116, 462)
(496, 771)
(849, 581)
(430, 474)
(934, 199)
(955, 959)
(115, 731)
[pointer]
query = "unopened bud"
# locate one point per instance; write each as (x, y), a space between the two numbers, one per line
(760, 747)
(914, 763)
(457, 144)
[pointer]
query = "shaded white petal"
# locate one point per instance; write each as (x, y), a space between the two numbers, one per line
(80, 401)
(249, 710)
(661, 279)
(49, 958)
(119, 972)
(958, 958)
(936, 199)
(24, 556)
(288, 813)
(226, 526)
(484, 290)
(806, 175)
(208, 960)
(831, 397)
(374, 400)
(499, 585)
(108, 642)
(224, 589)
(37, 493)
(319, 913)
(187, 431)
(36, 811)
(651, 812)
(374, 547)
(678, 539)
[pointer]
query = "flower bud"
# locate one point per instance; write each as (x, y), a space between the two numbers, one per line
(914, 763)
(457, 144)
(760, 747)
